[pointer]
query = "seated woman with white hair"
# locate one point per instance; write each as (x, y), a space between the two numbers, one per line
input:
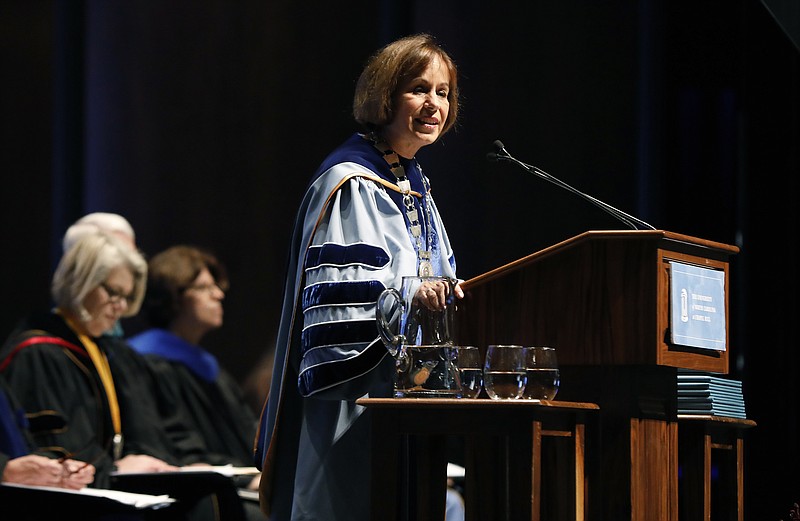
(60, 365)
(92, 394)
(101, 222)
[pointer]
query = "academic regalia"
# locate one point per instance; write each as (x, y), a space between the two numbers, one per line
(56, 382)
(46, 504)
(189, 377)
(49, 370)
(352, 239)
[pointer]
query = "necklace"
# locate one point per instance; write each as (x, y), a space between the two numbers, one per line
(425, 268)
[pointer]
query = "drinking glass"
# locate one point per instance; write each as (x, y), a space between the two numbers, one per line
(543, 373)
(471, 371)
(504, 372)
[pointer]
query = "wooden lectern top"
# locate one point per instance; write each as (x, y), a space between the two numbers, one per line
(600, 298)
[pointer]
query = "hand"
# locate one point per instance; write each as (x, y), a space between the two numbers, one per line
(36, 470)
(77, 474)
(433, 295)
(142, 463)
(458, 291)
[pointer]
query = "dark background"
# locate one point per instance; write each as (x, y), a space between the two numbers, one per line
(202, 121)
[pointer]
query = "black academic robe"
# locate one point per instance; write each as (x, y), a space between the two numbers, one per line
(217, 410)
(62, 393)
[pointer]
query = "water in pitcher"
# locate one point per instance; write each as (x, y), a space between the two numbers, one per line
(427, 371)
(416, 323)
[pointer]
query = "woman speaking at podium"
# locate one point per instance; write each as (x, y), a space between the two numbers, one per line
(367, 219)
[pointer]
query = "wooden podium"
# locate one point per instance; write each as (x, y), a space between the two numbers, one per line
(602, 299)
(524, 459)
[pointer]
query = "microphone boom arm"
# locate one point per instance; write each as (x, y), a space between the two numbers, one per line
(623, 217)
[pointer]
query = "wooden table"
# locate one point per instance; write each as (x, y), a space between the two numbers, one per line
(507, 474)
(706, 443)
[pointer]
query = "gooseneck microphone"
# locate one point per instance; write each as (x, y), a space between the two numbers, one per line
(502, 154)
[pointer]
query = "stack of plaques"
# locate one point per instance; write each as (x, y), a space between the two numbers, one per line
(707, 394)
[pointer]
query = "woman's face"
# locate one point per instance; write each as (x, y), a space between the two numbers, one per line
(107, 302)
(420, 110)
(201, 304)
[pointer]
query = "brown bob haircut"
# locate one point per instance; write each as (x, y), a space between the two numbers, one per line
(170, 273)
(391, 67)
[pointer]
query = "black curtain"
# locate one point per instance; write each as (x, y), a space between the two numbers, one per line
(201, 123)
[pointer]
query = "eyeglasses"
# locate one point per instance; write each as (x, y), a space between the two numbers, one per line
(116, 297)
(207, 288)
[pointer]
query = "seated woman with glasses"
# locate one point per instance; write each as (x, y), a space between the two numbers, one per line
(60, 366)
(92, 395)
(184, 302)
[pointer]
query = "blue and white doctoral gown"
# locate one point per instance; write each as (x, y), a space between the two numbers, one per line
(351, 241)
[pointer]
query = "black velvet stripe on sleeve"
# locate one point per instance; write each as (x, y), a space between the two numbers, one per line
(339, 333)
(339, 255)
(343, 292)
(350, 378)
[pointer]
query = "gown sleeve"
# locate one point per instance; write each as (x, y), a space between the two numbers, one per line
(359, 248)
